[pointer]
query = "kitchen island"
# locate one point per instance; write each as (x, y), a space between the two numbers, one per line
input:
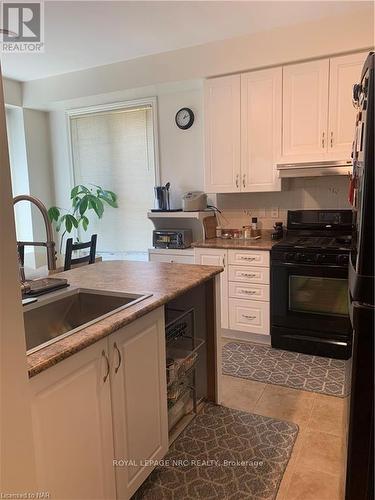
(100, 401)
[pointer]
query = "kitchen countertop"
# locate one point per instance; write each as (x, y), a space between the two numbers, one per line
(163, 280)
(264, 243)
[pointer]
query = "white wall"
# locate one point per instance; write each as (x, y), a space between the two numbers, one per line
(12, 92)
(39, 161)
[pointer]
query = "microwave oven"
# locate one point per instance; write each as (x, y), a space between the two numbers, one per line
(172, 238)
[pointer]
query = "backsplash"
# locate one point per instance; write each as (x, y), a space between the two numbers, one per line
(300, 193)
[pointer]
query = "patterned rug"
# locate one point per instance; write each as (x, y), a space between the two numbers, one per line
(290, 369)
(223, 454)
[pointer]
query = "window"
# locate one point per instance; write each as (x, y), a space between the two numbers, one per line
(115, 148)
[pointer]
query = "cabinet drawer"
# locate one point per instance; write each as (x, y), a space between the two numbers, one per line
(249, 291)
(249, 274)
(248, 257)
(179, 259)
(249, 316)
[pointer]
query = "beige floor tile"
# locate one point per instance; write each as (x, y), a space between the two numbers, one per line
(240, 393)
(321, 452)
(311, 485)
(329, 415)
(292, 464)
(286, 404)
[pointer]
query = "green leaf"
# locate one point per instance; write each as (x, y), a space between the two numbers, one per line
(108, 199)
(74, 192)
(85, 222)
(99, 208)
(83, 205)
(53, 214)
(60, 222)
(68, 224)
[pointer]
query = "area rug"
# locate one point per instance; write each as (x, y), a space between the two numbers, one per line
(223, 454)
(290, 369)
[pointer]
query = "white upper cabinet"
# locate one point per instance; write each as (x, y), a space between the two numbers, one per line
(345, 71)
(305, 111)
(222, 124)
(261, 102)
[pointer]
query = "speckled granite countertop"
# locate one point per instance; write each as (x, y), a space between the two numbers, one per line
(264, 243)
(163, 280)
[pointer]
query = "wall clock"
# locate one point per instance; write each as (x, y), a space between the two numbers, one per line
(184, 118)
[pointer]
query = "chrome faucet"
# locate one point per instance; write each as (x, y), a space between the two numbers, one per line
(49, 243)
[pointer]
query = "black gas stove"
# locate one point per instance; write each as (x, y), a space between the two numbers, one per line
(309, 273)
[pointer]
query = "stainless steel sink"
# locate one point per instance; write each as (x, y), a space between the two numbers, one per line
(63, 313)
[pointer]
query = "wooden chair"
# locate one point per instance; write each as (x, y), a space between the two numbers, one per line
(71, 247)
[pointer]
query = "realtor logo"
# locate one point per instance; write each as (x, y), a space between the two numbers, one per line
(22, 27)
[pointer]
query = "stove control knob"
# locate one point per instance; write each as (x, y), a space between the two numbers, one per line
(319, 258)
(342, 259)
(288, 256)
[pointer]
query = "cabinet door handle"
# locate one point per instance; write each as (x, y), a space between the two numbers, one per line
(237, 181)
(244, 180)
(331, 138)
(248, 317)
(223, 260)
(119, 357)
(323, 140)
(107, 362)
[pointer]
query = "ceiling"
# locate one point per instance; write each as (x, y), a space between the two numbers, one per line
(80, 35)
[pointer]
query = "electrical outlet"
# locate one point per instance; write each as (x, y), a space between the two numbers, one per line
(274, 213)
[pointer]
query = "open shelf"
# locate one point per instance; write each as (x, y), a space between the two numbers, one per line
(200, 215)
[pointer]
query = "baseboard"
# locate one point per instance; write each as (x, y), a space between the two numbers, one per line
(228, 335)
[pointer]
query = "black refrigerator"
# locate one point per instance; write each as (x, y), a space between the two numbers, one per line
(360, 455)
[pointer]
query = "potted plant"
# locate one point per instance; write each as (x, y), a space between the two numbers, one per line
(83, 200)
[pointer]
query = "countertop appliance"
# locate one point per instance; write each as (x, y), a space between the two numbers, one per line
(360, 457)
(162, 202)
(172, 238)
(309, 284)
(194, 201)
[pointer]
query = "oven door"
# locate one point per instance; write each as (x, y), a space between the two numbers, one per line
(310, 298)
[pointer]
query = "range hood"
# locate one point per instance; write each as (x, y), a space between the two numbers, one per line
(314, 169)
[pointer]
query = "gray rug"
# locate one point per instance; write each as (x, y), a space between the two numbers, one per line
(290, 369)
(224, 454)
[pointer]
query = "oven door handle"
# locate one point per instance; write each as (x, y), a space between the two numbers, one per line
(303, 264)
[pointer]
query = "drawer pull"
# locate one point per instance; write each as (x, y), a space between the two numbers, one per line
(247, 258)
(248, 317)
(249, 292)
(248, 275)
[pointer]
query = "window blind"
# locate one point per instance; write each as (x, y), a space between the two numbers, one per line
(115, 150)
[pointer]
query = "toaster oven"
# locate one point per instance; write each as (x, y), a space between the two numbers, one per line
(172, 238)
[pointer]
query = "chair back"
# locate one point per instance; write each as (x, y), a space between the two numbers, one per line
(72, 247)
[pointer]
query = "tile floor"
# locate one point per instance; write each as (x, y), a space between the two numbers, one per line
(316, 468)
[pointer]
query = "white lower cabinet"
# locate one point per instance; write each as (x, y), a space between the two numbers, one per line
(249, 316)
(250, 291)
(139, 400)
(216, 257)
(106, 402)
(245, 287)
(72, 426)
